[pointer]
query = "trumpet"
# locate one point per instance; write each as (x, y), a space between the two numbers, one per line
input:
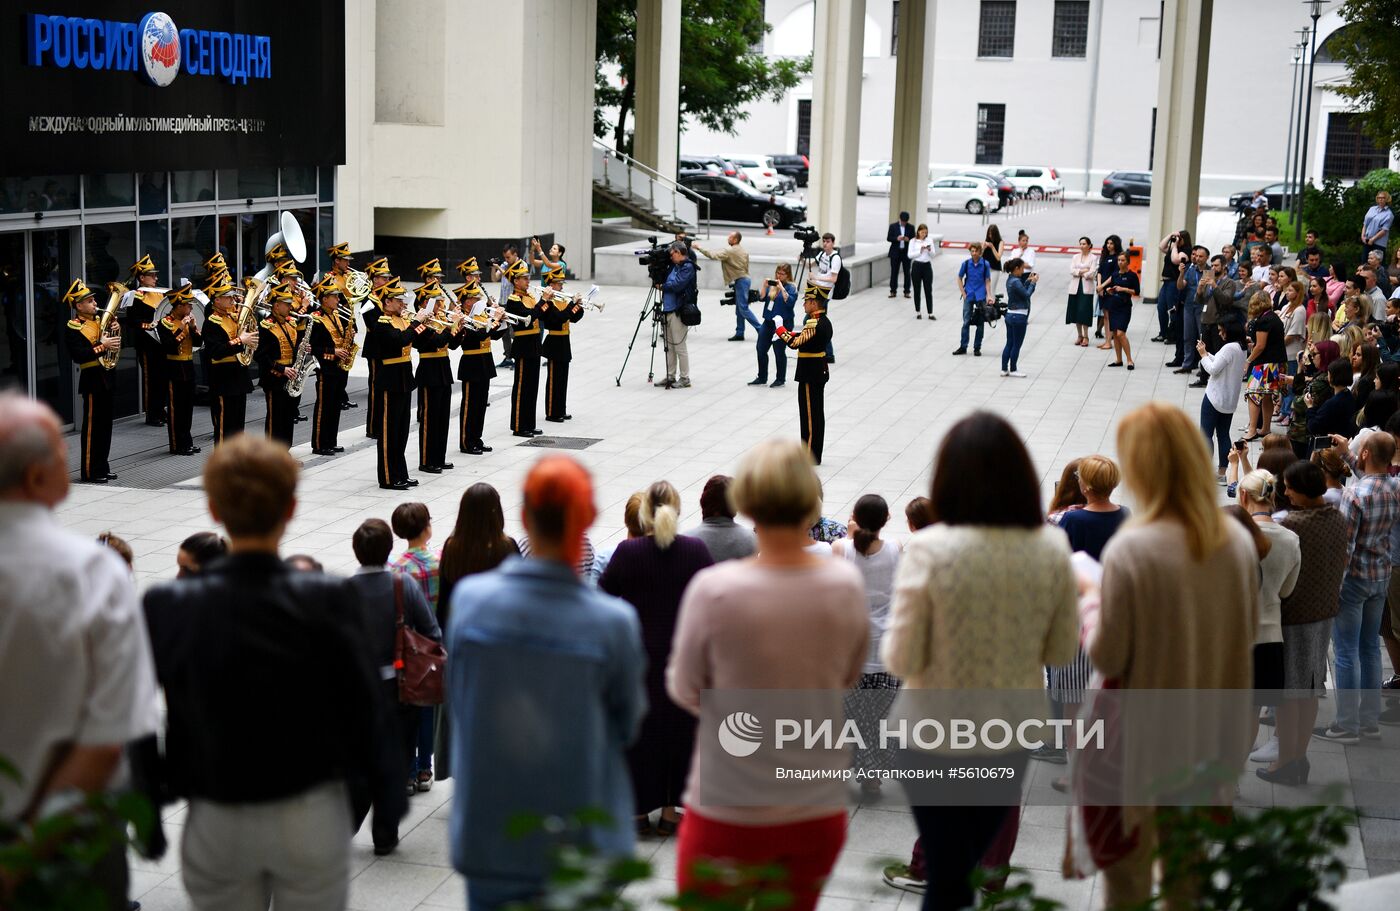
(266, 313)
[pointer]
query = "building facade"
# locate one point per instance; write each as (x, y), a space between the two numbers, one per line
(1073, 84)
(175, 134)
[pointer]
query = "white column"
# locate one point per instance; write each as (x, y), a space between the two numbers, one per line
(657, 98)
(1181, 106)
(354, 201)
(836, 82)
(913, 106)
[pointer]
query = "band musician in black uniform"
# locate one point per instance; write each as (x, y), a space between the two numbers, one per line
(392, 336)
(557, 311)
(341, 263)
(811, 372)
(277, 346)
(179, 336)
(476, 368)
(525, 349)
(140, 322)
(379, 276)
(332, 340)
(434, 377)
(229, 383)
(82, 336)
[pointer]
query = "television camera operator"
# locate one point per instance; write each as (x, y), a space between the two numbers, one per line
(677, 290)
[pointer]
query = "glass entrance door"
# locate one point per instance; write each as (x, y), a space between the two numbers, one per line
(51, 265)
(14, 314)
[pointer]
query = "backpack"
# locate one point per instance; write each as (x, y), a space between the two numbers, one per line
(843, 284)
(689, 309)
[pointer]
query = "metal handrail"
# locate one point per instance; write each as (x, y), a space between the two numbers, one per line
(654, 178)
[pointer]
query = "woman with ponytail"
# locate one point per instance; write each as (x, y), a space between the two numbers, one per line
(876, 559)
(651, 573)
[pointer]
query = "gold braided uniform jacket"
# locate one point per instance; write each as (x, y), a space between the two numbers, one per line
(277, 346)
(392, 338)
(329, 332)
(178, 341)
(556, 315)
(82, 337)
(811, 345)
(225, 375)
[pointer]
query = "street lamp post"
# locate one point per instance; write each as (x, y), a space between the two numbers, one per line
(1292, 113)
(1315, 13)
(1290, 184)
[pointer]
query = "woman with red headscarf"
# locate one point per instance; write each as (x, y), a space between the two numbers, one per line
(1310, 390)
(545, 689)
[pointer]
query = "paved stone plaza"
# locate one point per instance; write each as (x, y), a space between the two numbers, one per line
(894, 390)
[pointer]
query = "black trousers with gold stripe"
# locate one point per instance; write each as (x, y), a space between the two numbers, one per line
(228, 414)
(154, 385)
(434, 417)
(473, 422)
(525, 393)
(373, 423)
(180, 392)
(281, 415)
(556, 390)
(392, 435)
(97, 434)
(811, 414)
(330, 394)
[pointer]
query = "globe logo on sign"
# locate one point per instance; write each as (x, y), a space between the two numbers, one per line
(160, 48)
(741, 734)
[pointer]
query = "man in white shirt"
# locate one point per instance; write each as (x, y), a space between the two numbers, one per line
(1373, 291)
(823, 271)
(76, 677)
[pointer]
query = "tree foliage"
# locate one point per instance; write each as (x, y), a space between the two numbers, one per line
(720, 70)
(1371, 52)
(1335, 212)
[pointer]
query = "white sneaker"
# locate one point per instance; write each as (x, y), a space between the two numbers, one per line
(1018, 374)
(1005, 373)
(1266, 753)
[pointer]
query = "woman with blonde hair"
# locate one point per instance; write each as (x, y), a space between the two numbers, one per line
(1179, 607)
(651, 573)
(1319, 328)
(631, 520)
(783, 619)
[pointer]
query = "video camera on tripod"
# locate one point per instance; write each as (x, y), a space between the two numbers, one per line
(810, 238)
(728, 299)
(656, 259)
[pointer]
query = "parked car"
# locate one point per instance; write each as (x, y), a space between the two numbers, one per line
(795, 166)
(1124, 187)
(690, 167)
(759, 171)
(1033, 182)
(1279, 195)
(733, 200)
(975, 194)
(1006, 190)
(874, 179)
(725, 167)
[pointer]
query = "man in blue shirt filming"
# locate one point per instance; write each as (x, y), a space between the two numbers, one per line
(974, 284)
(680, 282)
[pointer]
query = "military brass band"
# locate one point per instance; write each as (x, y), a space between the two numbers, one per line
(295, 330)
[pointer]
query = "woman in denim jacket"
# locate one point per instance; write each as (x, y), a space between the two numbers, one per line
(1019, 288)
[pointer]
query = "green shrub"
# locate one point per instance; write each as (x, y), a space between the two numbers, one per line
(1336, 213)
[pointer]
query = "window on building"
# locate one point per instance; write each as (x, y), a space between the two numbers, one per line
(894, 30)
(1152, 141)
(991, 133)
(804, 126)
(1350, 152)
(1071, 28)
(997, 35)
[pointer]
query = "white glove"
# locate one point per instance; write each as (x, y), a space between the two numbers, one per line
(778, 323)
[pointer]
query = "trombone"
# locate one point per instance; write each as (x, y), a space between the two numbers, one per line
(587, 301)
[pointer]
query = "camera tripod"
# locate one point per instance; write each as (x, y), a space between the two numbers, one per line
(651, 307)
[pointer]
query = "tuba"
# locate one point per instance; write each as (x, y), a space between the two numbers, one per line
(109, 327)
(248, 315)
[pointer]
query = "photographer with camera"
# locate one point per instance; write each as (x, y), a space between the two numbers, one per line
(510, 255)
(823, 271)
(1020, 285)
(677, 290)
(734, 262)
(974, 285)
(779, 296)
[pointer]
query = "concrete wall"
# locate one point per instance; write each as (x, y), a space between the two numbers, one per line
(1048, 100)
(502, 157)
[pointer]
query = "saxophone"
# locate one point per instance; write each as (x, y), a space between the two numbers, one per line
(248, 315)
(109, 327)
(301, 363)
